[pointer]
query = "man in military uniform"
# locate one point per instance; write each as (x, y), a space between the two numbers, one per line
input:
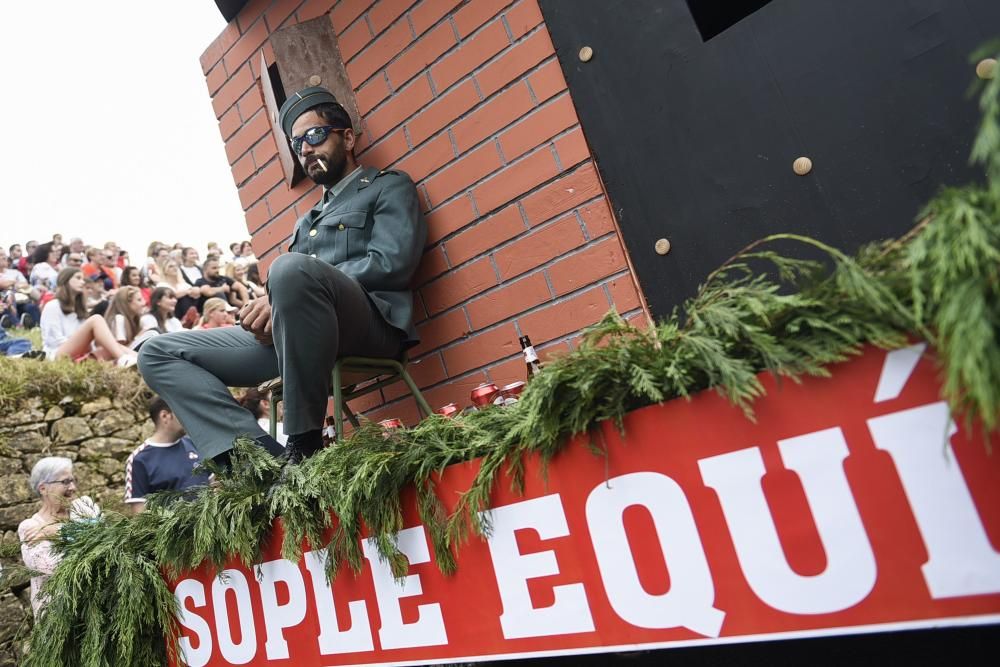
(342, 289)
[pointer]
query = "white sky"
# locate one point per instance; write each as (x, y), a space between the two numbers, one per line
(106, 126)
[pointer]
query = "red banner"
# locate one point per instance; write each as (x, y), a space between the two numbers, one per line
(853, 504)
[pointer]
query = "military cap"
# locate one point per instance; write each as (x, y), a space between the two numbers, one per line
(301, 102)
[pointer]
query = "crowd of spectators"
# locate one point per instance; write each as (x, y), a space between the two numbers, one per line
(92, 301)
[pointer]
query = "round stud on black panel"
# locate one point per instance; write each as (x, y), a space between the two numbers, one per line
(662, 246)
(986, 68)
(586, 53)
(802, 166)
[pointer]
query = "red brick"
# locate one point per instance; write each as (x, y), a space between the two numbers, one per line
(572, 149)
(232, 90)
(386, 151)
(229, 123)
(587, 266)
(508, 301)
(458, 285)
(278, 12)
(346, 11)
(463, 173)
(257, 216)
(428, 158)
(522, 17)
(313, 8)
(515, 62)
(251, 12)
(250, 103)
(371, 94)
(282, 198)
(400, 106)
(448, 218)
(385, 12)
(361, 405)
(354, 39)
(562, 195)
(264, 150)
(597, 219)
(429, 12)
(455, 391)
(495, 114)
(379, 52)
(432, 265)
(247, 136)
(470, 55)
(445, 109)
(515, 180)
(564, 317)
(640, 321)
(624, 295)
(538, 128)
(274, 234)
(421, 54)
(305, 201)
(243, 168)
(481, 349)
(260, 184)
(476, 13)
(249, 44)
(485, 235)
(213, 54)
(215, 78)
(547, 81)
(264, 261)
(441, 330)
(541, 246)
(425, 372)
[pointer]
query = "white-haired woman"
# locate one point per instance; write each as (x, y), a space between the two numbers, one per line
(52, 481)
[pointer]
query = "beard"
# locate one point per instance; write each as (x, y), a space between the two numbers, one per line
(336, 165)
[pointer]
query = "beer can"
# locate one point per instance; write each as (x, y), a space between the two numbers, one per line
(449, 410)
(391, 424)
(512, 390)
(485, 394)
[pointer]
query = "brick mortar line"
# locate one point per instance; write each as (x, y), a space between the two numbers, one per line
(529, 311)
(459, 41)
(441, 93)
(485, 217)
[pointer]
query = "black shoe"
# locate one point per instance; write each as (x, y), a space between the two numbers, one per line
(27, 321)
(303, 445)
(6, 321)
(34, 354)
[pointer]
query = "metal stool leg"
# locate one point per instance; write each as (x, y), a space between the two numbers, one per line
(273, 416)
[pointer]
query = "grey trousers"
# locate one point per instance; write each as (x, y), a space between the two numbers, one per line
(317, 315)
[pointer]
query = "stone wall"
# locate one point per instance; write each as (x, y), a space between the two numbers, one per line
(98, 435)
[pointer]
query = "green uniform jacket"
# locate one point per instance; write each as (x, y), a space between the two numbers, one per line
(374, 232)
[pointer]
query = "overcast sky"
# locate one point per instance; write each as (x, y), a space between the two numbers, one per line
(106, 127)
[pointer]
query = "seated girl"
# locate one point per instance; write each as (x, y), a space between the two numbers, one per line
(123, 315)
(160, 317)
(67, 331)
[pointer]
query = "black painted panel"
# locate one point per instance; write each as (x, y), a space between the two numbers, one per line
(695, 139)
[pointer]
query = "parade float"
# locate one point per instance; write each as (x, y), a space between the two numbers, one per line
(805, 450)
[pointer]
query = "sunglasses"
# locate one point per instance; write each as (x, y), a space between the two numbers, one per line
(314, 136)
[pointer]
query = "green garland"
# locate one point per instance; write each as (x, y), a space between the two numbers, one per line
(760, 311)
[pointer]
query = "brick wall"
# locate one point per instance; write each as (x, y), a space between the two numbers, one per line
(469, 99)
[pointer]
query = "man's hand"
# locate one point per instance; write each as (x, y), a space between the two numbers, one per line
(255, 317)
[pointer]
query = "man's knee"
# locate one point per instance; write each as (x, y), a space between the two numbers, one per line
(152, 353)
(293, 272)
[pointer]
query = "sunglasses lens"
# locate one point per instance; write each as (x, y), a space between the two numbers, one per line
(315, 136)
